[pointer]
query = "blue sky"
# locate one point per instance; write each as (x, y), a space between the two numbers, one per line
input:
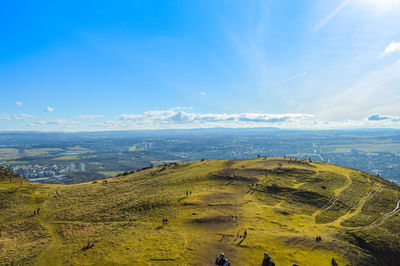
(112, 65)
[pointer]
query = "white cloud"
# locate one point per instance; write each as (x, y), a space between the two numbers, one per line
(19, 104)
(178, 119)
(172, 118)
(378, 118)
(90, 116)
(162, 119)
(55, 122)
(5, 117)
(109, 124)
(203, 93)
(49, 109)
(392, 47)
(331, 15)
(25, 117)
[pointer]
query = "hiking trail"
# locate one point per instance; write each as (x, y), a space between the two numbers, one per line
(334, 197)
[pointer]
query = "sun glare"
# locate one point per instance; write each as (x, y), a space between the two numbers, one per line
(380, 6)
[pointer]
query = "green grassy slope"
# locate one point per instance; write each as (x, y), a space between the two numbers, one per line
(282, 209)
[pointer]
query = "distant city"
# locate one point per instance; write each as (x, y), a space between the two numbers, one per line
(37, 173)
(67, 158)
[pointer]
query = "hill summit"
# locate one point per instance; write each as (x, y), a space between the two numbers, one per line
(7, 174)
(188, 213)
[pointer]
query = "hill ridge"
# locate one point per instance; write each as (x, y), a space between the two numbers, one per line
(282, 205)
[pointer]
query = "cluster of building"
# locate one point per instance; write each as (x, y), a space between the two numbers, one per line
(37, 172)
(141, 146)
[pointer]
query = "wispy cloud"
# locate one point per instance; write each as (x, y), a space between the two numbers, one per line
(90, 116)
(331, 15)
(25, 117)
(293, 77)
(203, 93)
(19, 104)
(55, 122)
(375, 93)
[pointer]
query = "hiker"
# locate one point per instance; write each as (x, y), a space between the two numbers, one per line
(267, 261)
(190, 192)
(334, 263)
(38, 211)
(221, 260)
(245, 233)
(34, 212)
(187, 193)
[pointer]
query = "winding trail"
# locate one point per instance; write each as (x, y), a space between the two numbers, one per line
(356, 209)
(334, 197)
(51, 255)
(383, 218)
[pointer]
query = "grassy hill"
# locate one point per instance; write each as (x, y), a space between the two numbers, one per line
(282, 208)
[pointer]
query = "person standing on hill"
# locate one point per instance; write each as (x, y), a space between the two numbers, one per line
(267, 261)
(221, 260)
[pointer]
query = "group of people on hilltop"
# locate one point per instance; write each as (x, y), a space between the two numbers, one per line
(36, 211)
(188, 193)
(267, 261)
(221, 260)
(242, 236)
(89, 245)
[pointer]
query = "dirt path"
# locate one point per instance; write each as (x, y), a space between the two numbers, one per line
(334, 197)
(378, 221)
(226, 201)
(358, 207)
(51, 255)
(223, 232)
(384, 217)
